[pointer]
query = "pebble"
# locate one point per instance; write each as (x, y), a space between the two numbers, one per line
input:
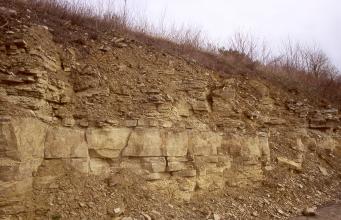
(323, 171)
(255, 214)
(216, 217)
(280, 211)
(146, 216)
(309, 211)
(118, 211)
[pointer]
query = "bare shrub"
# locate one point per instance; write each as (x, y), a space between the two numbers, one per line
(316, 62)
(243, 43)
(244, 47)
(307, 68)
(290, 57)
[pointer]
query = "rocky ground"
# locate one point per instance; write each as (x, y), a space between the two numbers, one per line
(330, 212)
(105, 127)
(123, 196)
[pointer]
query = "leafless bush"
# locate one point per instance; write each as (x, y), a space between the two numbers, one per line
(290, 57)
(243, 44)
(316, 62)
(308, 68)
(247, 47)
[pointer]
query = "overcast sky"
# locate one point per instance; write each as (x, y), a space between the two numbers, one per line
(308, 21)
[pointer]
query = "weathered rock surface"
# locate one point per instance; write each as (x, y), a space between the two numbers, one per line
(156, 153)
(107, 143)
(102, 109)
(144, 143)
(65, 143)
(289, 163)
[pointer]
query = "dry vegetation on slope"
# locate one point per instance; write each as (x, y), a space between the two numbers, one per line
(298, 67)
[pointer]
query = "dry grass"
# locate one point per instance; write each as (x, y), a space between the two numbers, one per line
(307, 69)
(310, 70)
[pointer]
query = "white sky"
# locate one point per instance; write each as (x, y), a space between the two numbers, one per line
(307, 21)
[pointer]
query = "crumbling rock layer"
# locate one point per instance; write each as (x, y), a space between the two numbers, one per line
(97, 109)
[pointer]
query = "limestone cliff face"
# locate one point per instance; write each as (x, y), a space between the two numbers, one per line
(99, 108)
(32, 150)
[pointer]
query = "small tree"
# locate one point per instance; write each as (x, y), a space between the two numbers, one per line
(317, 63)
(244, 44)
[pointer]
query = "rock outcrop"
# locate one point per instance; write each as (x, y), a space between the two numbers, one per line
(97, 110)
(31, 148)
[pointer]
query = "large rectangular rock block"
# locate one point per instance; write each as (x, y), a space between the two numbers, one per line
(247, 149)
(65, 143)
(80, 165)
(153, 142)
(154, 164)
(176, 166)
(107, 142)
(8, 142)
(144, 143)
(204, 143)
(176, 143)
(22, 139)
(30, 135)
(99, 166)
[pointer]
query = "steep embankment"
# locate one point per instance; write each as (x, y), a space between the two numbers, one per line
(111, 127)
